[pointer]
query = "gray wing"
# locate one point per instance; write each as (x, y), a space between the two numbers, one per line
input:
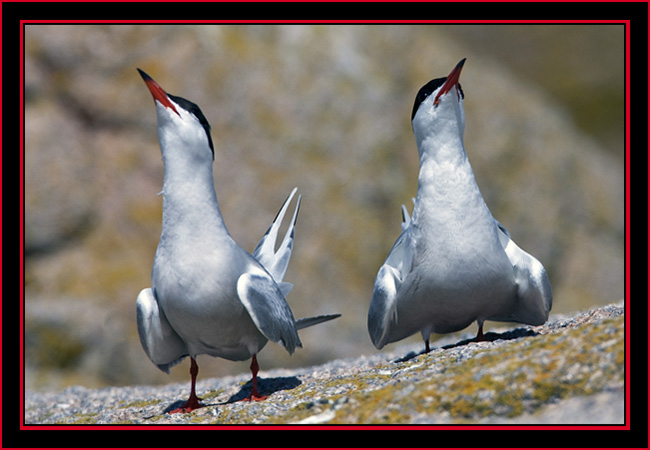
(406, 219)
(534, 295)
(382, 313)
(276, 262)
(160, 342)
(269, 310)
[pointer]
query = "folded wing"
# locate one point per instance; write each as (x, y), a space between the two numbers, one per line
(161, 343)
(269, 310)
(534, 295)
(382, 313)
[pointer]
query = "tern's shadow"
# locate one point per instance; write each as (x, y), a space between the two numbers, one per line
(265, 386)
(487, 337)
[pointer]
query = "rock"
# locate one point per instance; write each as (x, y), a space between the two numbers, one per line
(568, 371)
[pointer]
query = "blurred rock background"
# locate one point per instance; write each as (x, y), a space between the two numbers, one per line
(325, 108)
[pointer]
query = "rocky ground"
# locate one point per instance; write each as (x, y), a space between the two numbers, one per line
(568, 371)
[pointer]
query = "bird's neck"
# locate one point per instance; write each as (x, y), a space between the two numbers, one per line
(446, 183)
(442, 160)
(189, 198)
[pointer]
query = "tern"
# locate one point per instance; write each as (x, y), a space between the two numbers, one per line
(453, 262)
(208, 295)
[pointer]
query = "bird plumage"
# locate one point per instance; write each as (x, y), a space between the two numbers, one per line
(453, 263)
(208, 295)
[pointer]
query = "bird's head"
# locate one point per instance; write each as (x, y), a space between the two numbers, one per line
(438, 108)
(182, 127)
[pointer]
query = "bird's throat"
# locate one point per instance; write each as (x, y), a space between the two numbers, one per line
(190, 200)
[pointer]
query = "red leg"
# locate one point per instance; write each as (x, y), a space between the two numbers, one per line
(192, 403)
(479, 335)
(255, 395)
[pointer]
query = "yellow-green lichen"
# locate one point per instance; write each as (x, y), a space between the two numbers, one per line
(521, 377)
(140, 403)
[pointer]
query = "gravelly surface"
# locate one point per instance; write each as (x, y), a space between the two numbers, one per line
(569, 371)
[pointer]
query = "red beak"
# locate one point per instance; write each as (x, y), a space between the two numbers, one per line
(157, 92)
(452, 80)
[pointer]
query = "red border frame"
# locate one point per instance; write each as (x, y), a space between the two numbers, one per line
(626, 426)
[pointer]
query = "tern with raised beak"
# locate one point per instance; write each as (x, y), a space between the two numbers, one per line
(453, 263)
(208, 295)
